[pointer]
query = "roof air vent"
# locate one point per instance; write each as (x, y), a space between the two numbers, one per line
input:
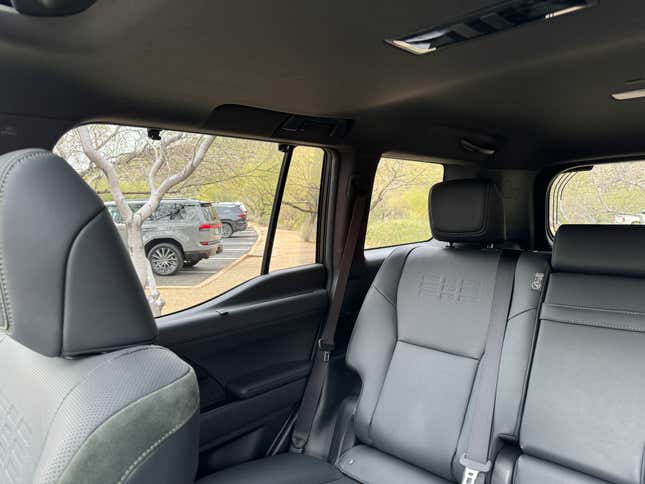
(499, 17)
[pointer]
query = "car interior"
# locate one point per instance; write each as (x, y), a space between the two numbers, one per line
(493, 334)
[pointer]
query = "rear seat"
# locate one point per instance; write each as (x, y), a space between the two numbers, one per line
(584, 415)
(417, 346)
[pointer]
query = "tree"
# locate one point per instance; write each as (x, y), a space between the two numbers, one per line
(126, 146)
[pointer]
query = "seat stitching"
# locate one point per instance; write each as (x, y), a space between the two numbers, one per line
(599, 324)
(384, 296)
(534, 336)
(157, 443)
(396, 328)
(520, 313)
(4, 293)
(431, 348)
(101, 364)
(571, 306)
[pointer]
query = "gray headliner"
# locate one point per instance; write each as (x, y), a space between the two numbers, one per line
(542, 92)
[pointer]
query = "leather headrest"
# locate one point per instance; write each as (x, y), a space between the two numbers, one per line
(67, 285)
(469, 210)
(600, 249)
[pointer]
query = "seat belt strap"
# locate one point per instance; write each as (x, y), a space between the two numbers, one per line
(475, 459)
(325, 344)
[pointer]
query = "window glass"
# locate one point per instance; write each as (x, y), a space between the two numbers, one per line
(205, 203)
(295, 237)
(607, 193)
(114, 213)
(399, 203)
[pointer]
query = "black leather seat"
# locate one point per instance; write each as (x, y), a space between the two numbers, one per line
(84, 398)
(583, 421)
(417, 345)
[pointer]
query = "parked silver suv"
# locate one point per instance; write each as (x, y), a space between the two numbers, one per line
(180, 233)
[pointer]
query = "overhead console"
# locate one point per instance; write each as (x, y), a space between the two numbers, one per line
(242, 120)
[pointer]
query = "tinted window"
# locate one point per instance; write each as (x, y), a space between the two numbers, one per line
(169, 212)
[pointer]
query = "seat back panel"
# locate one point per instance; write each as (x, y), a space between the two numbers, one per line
(418, 353)
(584, 406)
(422, 406)
(444, 299)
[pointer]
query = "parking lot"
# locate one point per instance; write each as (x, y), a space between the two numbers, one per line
(234, 248)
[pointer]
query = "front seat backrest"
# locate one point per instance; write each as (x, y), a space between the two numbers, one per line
(83, 398)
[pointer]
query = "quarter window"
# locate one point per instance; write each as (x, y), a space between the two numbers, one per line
(607, 193)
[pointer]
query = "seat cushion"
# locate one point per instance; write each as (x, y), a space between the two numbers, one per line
(280, 469)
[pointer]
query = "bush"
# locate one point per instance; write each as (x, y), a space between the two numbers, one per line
(399, 231)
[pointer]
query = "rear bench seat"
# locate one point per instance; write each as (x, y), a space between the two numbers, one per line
(584, 416)
(417, 347)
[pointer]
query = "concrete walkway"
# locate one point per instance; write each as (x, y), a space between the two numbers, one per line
(289, 250)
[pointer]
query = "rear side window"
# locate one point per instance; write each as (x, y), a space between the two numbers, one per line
(399, 203)
(607, 193)
(194, 255)
(297, 229)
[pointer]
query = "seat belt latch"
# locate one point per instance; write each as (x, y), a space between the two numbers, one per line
(326, 349)
(472, 469)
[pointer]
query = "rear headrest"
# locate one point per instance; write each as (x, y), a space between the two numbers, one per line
(600, 249)
(468, 210)
(67, 285)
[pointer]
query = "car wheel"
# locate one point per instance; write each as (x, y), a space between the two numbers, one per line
(166, 259)
(227, 230)
(190, 263)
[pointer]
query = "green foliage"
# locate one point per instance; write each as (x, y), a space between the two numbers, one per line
(399, 206)
(247, 171)
(394, 232)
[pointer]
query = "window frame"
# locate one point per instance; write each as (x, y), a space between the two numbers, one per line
(324, 193)
(281, 184)
(393, 246)
(552, 173)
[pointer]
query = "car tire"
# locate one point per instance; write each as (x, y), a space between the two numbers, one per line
(227, 230)
(190, 263)
(166, 259)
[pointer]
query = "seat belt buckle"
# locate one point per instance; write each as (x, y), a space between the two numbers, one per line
(326, 349)
(472, 469)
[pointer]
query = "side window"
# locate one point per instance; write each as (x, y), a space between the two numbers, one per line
(114, 213)
(399, 204)
(172, 212)
(296, 234)
(607, 193)
(204, 204)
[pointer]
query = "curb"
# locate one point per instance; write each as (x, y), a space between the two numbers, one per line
(261, 233)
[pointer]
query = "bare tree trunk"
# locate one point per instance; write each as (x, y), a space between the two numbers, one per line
(134, 220)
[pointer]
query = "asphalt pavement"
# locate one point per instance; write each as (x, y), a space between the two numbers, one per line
(234, 248)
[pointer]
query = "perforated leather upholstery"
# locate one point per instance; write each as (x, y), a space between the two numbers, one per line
(81, 400)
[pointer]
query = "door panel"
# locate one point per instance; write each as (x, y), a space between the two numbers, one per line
(251, 351)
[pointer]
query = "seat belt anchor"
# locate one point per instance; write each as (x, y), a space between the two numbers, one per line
(326, 349)
(472, 469)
